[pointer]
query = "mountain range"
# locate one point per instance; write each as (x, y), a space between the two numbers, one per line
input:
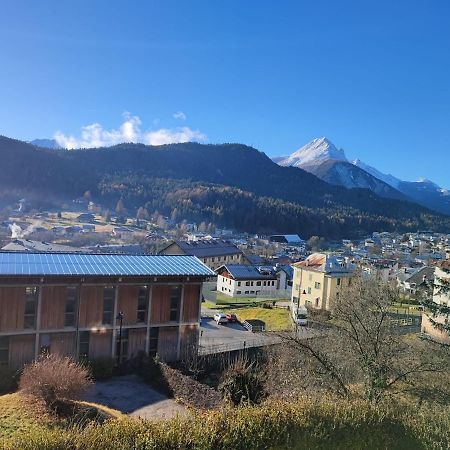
(46, 143)
(323, 159)
(231, 185)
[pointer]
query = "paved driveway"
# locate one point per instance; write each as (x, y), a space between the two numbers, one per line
(130, 395)
(216, 338)
(232, 336)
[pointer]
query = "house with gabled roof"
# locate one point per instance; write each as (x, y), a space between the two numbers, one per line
(239, 280)
(318, 280)
(212, 252)
(89, 306)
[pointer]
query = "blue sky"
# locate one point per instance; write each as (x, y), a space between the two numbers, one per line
(372, 76)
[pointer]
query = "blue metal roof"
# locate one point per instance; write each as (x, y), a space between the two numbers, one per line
(243, 272)
(66, 264)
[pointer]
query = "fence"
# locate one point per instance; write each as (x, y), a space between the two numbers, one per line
(206, 348)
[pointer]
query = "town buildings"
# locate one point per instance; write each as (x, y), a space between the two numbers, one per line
(318, 280)
(435, 317)
(239, 280)
(213, 253)
(90, 305)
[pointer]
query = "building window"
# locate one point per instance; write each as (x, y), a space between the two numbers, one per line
(258, 283)
(109, 294)
(239, 283)
(153, 343)
(31, 295)
(175, 298)
(83, 350)
(309, 290)
(317, 302)
(4, 351)
(246, 292)
(142, 304)
(238, 292)
(265, 283)
(252, 283)
(338, 281)
(247, 283)
(71, 306)
(317, 285)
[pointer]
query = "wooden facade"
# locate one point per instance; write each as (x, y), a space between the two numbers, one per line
(12, 308)
(76, 317)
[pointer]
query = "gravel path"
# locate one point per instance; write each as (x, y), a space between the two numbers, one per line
(130, 395)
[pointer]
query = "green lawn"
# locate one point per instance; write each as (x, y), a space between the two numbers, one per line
(277, 319)
(20, 414)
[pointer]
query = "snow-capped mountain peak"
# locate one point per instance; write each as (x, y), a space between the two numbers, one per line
(315, 152)
(427, 181)
(387, 178)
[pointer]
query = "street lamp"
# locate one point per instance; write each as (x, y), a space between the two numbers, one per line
(119, 317)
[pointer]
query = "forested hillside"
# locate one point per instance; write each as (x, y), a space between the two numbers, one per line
(230, 184)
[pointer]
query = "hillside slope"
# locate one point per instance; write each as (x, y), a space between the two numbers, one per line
(230, 184)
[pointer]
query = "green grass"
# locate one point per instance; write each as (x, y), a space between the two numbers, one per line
(277, 319)
(209, 305)
(223, 299)
(20, 414)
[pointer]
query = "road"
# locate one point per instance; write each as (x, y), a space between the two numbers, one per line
(216, 338)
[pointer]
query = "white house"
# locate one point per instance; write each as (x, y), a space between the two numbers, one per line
(238, 280)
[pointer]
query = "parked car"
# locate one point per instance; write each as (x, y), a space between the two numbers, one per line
(220, 318)
(231, 317)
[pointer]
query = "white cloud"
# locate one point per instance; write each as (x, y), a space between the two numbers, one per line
(179, 115)
(94, 135)
(169, 136)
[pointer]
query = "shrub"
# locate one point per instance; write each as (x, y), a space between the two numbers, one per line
(8, 379)
(54, 380)
(242, 382)
(152, 373)
(102, 368)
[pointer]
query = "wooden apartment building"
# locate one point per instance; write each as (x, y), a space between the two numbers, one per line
(79, 304)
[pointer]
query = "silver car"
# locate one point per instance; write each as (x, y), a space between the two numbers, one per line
(220, 318)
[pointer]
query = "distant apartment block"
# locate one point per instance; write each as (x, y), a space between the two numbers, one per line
(91, 305)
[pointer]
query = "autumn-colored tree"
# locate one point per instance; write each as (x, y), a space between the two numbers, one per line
(120, 207)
